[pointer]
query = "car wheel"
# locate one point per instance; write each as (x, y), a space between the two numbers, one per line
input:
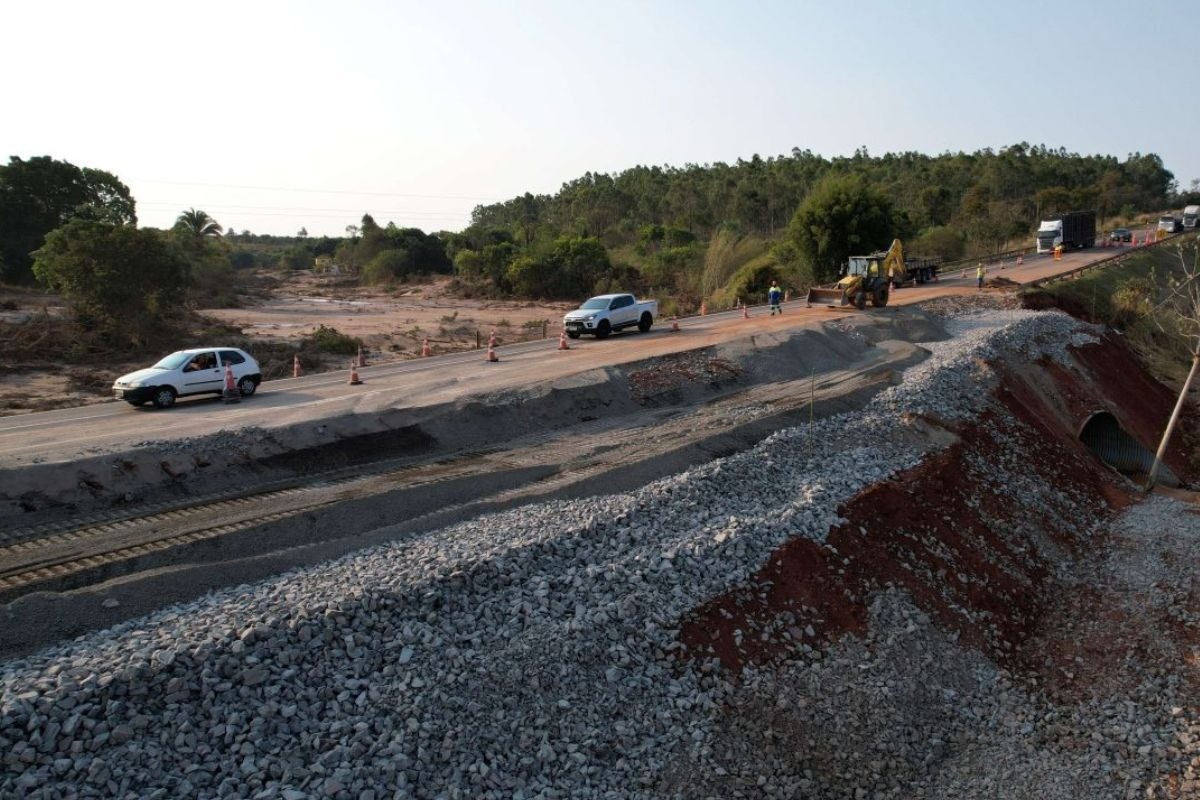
(603, 329)
(247, 386)
(645, 322)
(164, 397)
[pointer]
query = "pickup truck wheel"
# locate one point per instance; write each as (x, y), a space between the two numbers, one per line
(603, 329)
(164, 397)
(645, 322)
(573, 334)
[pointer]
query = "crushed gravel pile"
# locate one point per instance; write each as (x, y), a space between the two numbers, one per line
(535, 654)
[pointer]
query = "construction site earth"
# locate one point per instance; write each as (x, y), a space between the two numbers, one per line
(895, 553)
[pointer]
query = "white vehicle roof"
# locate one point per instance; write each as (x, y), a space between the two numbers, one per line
(610, 296)
(1191, 210)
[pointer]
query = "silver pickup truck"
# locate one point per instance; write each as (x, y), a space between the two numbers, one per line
(603, 314)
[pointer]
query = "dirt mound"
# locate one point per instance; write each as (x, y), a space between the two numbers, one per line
(952, 532)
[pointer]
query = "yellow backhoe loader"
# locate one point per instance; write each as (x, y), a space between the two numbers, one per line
(866, 278)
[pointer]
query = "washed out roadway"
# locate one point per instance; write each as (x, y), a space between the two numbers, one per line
(66, 434)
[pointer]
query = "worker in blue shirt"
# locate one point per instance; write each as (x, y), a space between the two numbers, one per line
(774, 296)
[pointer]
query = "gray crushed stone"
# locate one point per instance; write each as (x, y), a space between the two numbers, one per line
(531, 654)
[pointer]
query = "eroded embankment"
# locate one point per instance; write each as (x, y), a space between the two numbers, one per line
(553, 650)
(232, 460)
(961, 532)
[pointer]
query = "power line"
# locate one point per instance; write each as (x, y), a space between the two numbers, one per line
(316, 191)
(243, 209)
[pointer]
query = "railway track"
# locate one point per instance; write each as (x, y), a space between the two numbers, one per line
(76, 552)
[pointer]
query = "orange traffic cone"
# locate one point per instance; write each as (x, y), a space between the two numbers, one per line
(230, 393)
(296, 366)
(491, 354)
(425, 351)
(354, 379)
(704, 309)
(562, 341)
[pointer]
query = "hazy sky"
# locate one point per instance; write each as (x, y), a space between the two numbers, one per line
(275, 115)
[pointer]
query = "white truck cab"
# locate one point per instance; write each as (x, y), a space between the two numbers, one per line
(1191, 214)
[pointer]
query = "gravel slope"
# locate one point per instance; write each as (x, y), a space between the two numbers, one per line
(535, 653)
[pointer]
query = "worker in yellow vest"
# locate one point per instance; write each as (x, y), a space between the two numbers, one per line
(980, 271)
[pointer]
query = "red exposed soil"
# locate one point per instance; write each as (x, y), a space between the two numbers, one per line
(949, 531)
(1136, 399)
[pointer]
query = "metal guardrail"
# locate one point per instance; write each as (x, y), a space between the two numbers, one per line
(1104, 262)
(990, 258)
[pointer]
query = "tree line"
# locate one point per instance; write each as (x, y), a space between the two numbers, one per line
(704, 231)
(717, 231)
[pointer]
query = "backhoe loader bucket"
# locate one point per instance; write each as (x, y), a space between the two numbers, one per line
(826, 297)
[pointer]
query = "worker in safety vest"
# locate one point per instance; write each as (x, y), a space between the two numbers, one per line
(980, 272)
(774, 295)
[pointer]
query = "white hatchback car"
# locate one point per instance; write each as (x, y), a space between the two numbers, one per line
(200, 370)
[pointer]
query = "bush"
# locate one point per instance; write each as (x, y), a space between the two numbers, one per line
(330, 340)
(943, 241)
(387, 265)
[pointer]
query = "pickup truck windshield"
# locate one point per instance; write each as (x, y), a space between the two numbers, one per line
(596, 303)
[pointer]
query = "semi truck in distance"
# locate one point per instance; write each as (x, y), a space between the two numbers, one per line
(1069, 230)
(1190, 216)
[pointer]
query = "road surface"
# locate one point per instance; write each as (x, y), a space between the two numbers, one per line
(62, 435)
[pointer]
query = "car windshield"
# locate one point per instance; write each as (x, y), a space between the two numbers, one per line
(595, 303)
(173, 361)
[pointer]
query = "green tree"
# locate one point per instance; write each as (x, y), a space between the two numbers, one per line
(122, 282)
(387, 265)
(941, 240)
(842, 216)
(197, 223)
(39, 195)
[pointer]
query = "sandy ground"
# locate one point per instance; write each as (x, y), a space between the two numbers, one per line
(393, 323)
(396, 320)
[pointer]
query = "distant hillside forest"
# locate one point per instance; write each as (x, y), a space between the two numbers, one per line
(724, 230)
(685, 234)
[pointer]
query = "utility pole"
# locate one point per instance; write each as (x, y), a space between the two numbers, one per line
(1162, 446)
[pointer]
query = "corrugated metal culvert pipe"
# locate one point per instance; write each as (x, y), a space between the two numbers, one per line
(1105, 437)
